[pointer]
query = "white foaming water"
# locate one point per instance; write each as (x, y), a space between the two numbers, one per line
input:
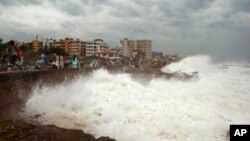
(189, 65)
(122, 108)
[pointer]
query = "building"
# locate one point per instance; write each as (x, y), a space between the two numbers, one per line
(130, 45)
(108, 54)
(119, 50)
(1, 41)
(63, 44)
(44, 44)
(98, 45)
(36, 45)
(77, 47)
(71, 46)
(138, 54)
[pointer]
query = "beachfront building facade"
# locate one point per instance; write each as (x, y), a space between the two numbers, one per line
(108, 55)
(77, 47)
(130, 45)
(63, 44)
(71, 46)
(98, 45)
(118, 49)
(36, 45)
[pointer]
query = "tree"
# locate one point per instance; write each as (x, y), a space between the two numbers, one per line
(57, 51)
(3, 47)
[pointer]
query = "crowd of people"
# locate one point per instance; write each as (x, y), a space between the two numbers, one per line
(12, 58)
(119, 62)
(56, 62)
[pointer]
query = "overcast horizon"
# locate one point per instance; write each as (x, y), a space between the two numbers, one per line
(220, 28)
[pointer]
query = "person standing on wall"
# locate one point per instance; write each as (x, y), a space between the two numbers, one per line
(74, 62)
(12, 53)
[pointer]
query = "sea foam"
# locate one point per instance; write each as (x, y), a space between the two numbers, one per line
(119, 106)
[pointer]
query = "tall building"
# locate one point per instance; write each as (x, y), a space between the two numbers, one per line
(63, 44)
(118, 49)
(98, 45)
(131, 45)
(36, 45)
(71, 46)
(78, 48)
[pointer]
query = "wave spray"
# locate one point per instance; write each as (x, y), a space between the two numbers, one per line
(119, 106)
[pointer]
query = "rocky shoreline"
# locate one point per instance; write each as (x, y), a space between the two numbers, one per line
(19, 130)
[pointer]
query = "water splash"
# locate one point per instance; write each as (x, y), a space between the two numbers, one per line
(190, 64)
(118, 106)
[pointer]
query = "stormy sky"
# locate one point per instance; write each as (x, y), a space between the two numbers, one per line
(220, 28)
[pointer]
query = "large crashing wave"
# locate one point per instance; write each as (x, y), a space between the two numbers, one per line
(122, 108)
(191, 64)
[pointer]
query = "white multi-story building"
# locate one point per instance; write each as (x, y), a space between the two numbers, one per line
(118, 49)
(130, 45)
(98, 45)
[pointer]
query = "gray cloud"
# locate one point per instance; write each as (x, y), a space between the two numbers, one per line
(19, 2)
(68, 7)
(195, 5)
(241, 6)
(216, 27)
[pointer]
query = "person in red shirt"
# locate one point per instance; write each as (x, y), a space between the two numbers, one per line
(20, 53)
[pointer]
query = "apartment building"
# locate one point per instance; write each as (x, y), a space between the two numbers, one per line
(36, 45)
(98, 45)
(130, 45)
(72, 47)
(118, 49)
(63, 44)
(69, 45)
(78, 48)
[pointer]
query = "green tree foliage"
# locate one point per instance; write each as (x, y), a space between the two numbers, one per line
(25, 48)
(3, 47)
(57, 51)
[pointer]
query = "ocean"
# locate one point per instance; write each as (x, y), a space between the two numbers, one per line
(126, 109)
